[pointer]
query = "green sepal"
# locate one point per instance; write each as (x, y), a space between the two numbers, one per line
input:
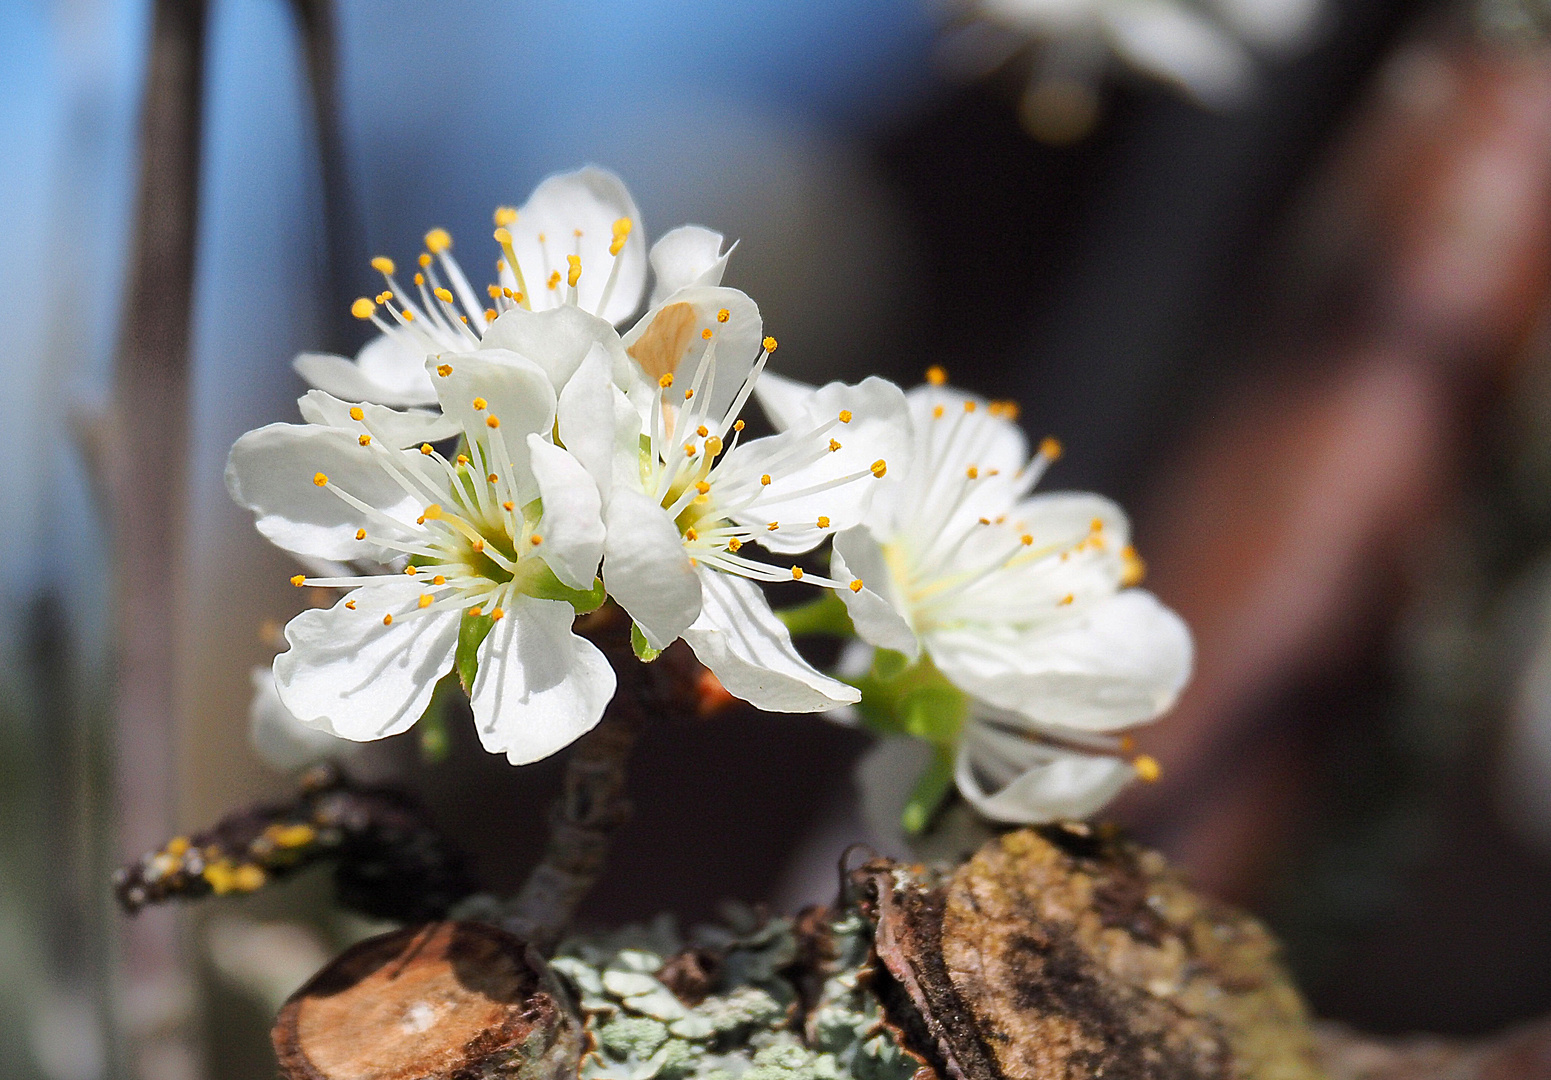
(643, 652)
(472, 632)
(900, 698)
(546, 586)
(435, 744)
(926, 798)
(826, 615)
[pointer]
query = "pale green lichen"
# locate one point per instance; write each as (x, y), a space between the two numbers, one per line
(748, 1026)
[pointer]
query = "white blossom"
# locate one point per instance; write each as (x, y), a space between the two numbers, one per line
(685, 496)
(570, 265)
(499, 540)
(1022, 602)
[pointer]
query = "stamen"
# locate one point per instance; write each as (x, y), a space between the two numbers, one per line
(298, 580)
(356, 413)
(856, 585)
(363, 308)
(936, 376)
(492, 422)
(505, 215)
(444, 370)
(833, 446)
(383, 265)
(360, 534)
(796, 573)
(321, 479)
(1147, 769)
(770, 344)
(387, 620)
(497, 614)
(1050, 448)
(723, 315)
(479, 404)
(438, 241)
(845, 416)
(425, 600)
(880, 467)
(575, 273)
(364, 440)
(823, 522)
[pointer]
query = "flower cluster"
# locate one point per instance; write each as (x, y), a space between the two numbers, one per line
(491, 466)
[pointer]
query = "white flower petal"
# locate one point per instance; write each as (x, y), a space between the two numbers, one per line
(668, 340)
(875, 610)
(1022, 782)
(589, 200)
(388, 370)
(585, 419)
(557, 340)
(750, 651)
(283, 741)
(350, 673)
(540, 687)
(572, 526)
(1183, 46)
(646, 570)
(397, 429)
(688, 255)
(1103, 667)
(785, 401)
(878, 430)
(271, 471)
(515, 392)
(959, 437)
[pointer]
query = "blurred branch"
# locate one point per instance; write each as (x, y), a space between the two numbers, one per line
(148, 432)
(342, 227)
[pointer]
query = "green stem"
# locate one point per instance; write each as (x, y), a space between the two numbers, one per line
(929, 792)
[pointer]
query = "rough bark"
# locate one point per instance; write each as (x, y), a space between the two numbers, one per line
(443, 1001)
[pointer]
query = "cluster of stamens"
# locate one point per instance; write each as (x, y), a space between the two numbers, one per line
(469, 551)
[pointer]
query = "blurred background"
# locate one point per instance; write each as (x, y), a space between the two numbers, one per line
(1276, 271)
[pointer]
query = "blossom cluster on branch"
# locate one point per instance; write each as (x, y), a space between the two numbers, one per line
(495, 463)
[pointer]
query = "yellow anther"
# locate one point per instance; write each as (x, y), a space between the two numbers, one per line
(409, 316)
(360, 534)
(425, 448)
(383, 297)
(383, 265)
(437, 241)
(713, 446)
(462, 459)
(1026, 540)
(425, 600)
(666, 381)
(702, 487)
(1132, 568)
(508, 506)
(438, 580)
(1050, 448)
(880, 467)
(773, 526)
(972, 472)
(856, 585)
(833, 446)
(464, 319)
(969, 406)
(845, 416)
(492, 422)
(796, 573)
(985, 521)
(387, 620)
(356, 413)
(411, 570)
(823, 522)
(574, 274)
(734, 544)
(1010, 410)
(433, 511)
(478, 545)
(298, 580)
(535, 539)
(1147, 768)
(621, 234)
(444, 295)
(476, 611)
(936, 412)
(765, 480)
(622, 226)
(497, 614)
(350, 604)
(502, 236)
(492, 478)
(689, 393)
(689, 449)
(444, 370)
(490, 314)
(364, 440)
(723, 315)
(691, 534)
(770, 344)
(493, 291)
(554, 279)
(321, 479)
(505, 215)
(936, 375)
(479, 403)
(706, 334)
(702, 431)
(363, 308)
(1066, 601)
(425, 260)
